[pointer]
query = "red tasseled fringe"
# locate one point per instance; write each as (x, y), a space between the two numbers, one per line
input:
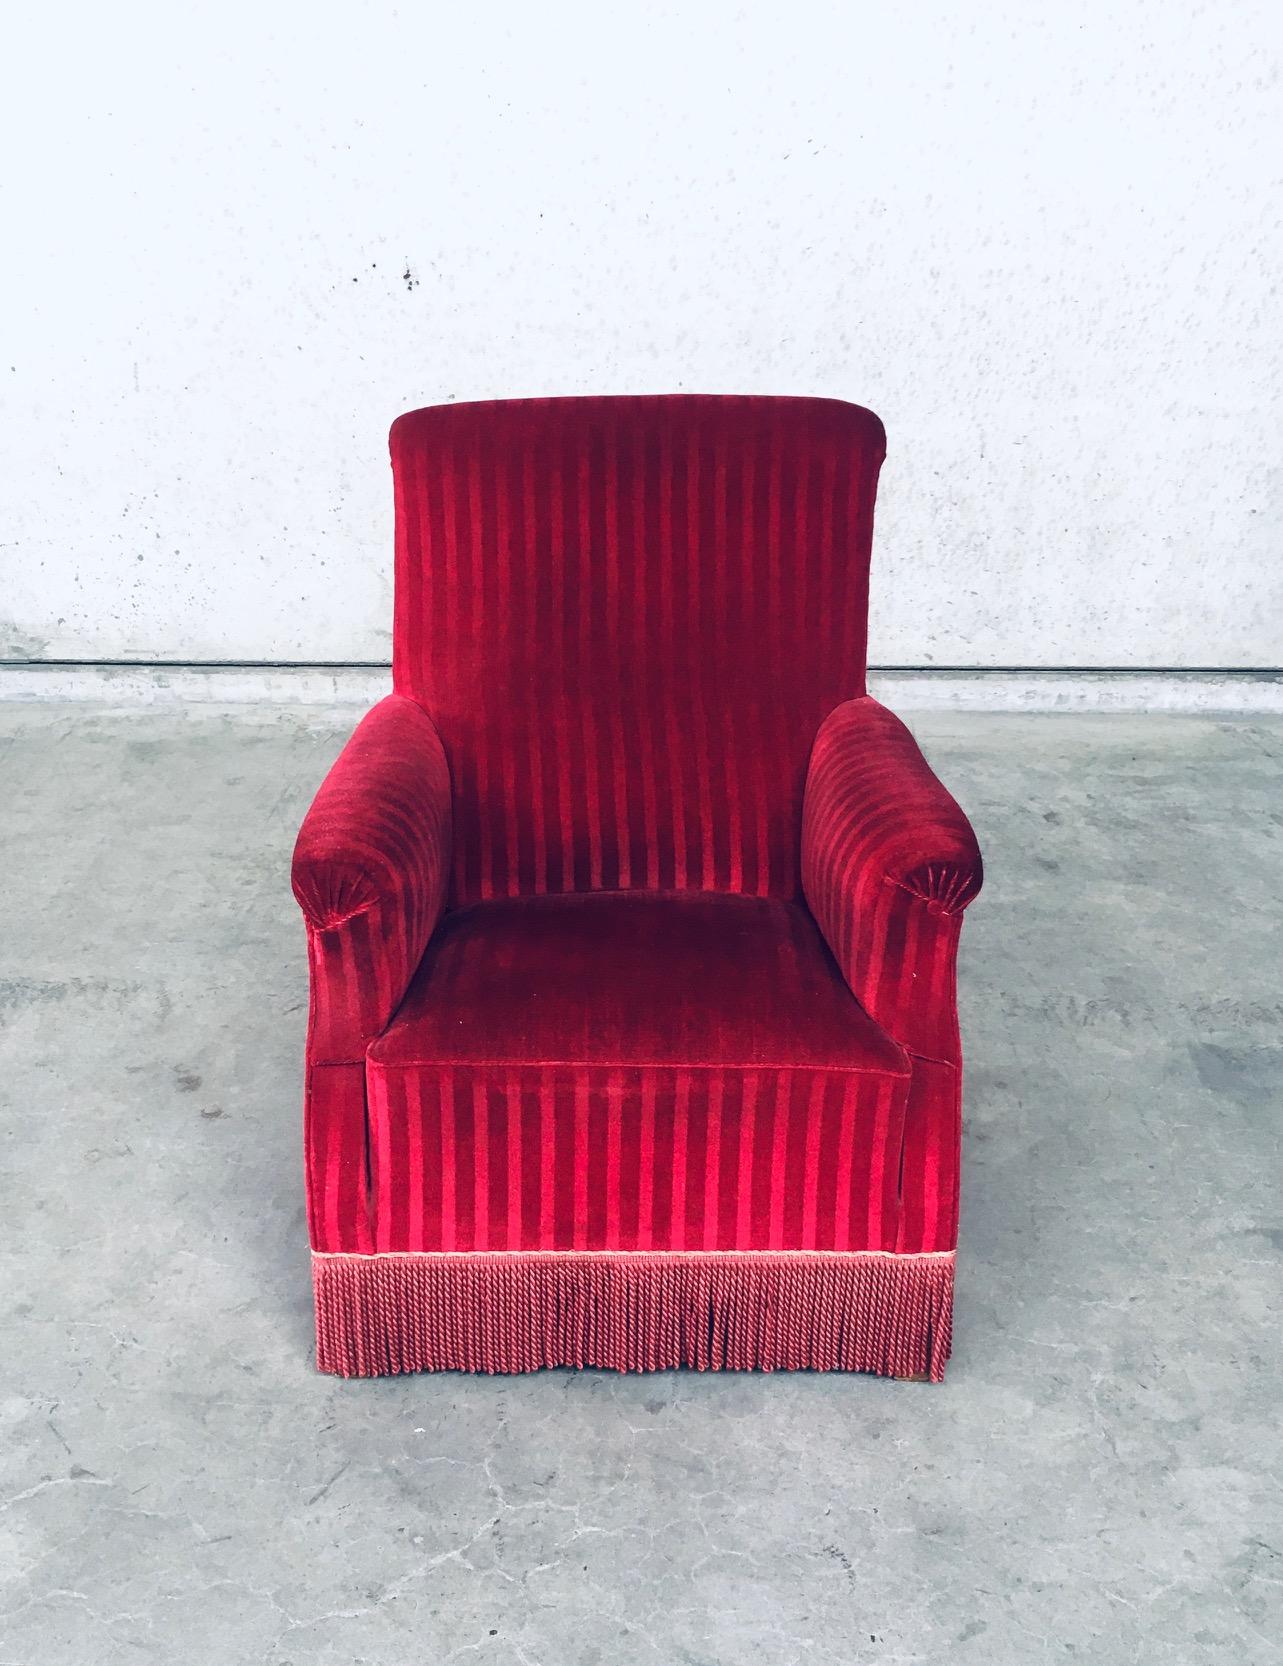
(634, 1311)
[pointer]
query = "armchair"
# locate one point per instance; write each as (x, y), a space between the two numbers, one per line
(632, 920)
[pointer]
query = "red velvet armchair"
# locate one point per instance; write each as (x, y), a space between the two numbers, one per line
(632, 920)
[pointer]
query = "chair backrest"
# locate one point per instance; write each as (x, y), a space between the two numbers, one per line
(628, 617)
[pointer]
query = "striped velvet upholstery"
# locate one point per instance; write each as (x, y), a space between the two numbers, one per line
(370, 871)
(631, 1070)
(627, 618)
(889, 862)
(591, 1157)
(632, 920)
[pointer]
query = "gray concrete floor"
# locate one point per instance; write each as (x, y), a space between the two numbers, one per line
(1097, 1480)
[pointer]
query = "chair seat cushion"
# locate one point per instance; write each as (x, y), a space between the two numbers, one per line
(634, 1070)
(635, 978)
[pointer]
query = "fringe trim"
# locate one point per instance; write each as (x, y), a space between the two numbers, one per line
(379, 1315)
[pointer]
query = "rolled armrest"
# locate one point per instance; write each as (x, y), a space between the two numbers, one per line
(370, 871)
(889, 862)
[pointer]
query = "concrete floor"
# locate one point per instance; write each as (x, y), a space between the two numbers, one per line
(1097, 1480)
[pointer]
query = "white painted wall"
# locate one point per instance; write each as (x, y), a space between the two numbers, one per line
(1040, 240)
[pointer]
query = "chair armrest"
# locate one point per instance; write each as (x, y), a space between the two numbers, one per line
(370, 871)
(889, 862)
